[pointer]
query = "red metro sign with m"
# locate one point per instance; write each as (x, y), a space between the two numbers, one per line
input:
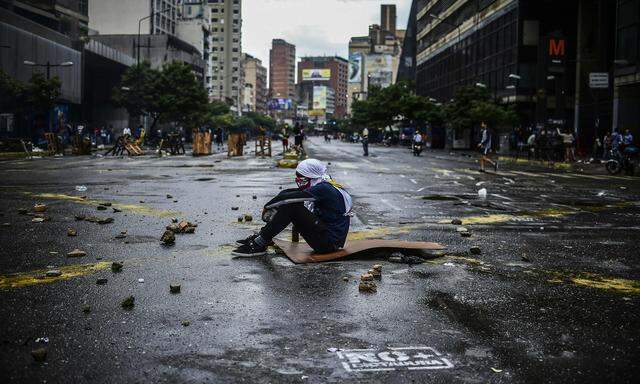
(556, 47)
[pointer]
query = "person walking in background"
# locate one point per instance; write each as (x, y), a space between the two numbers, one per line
(365, 141)
(285, 139)
(485, 149)
(606, 145)
(126, 132)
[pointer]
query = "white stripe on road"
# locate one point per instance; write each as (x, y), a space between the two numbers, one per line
(387, 203)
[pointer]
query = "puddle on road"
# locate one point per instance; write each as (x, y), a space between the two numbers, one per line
(25, 279)
(133, 208)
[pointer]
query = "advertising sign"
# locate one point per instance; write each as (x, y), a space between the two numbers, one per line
(319, 97)
(280, 104)
(316, 112)
(355, 67)
(379, 69)
(321, 74)
(599, 80)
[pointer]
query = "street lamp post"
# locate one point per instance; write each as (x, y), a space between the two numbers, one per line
(139, 25)
(48, 66)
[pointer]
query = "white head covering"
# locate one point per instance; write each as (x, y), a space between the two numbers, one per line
(316, 170)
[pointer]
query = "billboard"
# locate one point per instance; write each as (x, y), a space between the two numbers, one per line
(280, 104)
(355, 67)
(316, 112)
(321, 74)
(319, 97)
(379, 69)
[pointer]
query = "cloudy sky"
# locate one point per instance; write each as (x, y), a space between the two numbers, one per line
(316, 27)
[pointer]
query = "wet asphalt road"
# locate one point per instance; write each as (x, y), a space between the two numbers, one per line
(553, 297)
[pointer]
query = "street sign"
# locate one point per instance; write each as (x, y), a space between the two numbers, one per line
(599, 80)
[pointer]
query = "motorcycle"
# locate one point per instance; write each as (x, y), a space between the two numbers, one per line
(417, 149)
(622, 160)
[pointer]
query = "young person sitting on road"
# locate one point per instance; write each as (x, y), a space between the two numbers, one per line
(319, 209)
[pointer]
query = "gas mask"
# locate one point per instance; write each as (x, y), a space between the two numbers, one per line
(302, 182)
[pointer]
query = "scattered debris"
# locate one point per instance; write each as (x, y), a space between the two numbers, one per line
(43, 340)
(39, 207)
(53, 273)
(525, 258)
(121, 236)
(248, 218)
(174, 288)
(496, 370)
(128, 303)
(174, 220)
(475, 250)
(377, 271)
(140, 280)
(398, 257)
(367, 286)
(182, 227)
(185, 323)
(72, 232)
(101, 208)
(141, 201)
(255, 197)
(105, 204)
(35, 220)
(86, 308)
(345, 278)
(81, 188)
(169, 196)
(116, 267)
(39, 354)
(116, 210)
(240, 219)
(366, 277)
(77, 253)
(102, 281)
(456, 222)
(168, 237)
(462, 229)
(465, 234)
(482, 193)
(235, 208)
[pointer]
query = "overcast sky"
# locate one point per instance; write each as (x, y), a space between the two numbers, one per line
(316, 27)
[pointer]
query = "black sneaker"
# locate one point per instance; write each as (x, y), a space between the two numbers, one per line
(249, 250)
(247, 240)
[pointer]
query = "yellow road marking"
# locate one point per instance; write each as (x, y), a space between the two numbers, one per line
(134, 208)
(25, 279)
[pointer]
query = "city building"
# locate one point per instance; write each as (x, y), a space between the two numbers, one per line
(282, 72)
(108, 17)
(34, 34)
(255, 85)
(193, 27)
(552, 60)
(374, 59)
(626, 81)
(323, 71)
(224, 67)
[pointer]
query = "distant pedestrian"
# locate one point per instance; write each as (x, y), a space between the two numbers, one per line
(126, 132)
(365, 141)
(627, 139)
(219, 138)
(606, 145)
(285, 139)
(485, 149)
(297, 135)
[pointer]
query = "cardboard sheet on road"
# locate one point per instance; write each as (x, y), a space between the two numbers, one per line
(301, 253)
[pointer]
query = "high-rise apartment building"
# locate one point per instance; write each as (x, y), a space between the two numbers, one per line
(374, 59)
(115, 17)
(255, 85)
(224, 77)
(282, 70)
(324, 71)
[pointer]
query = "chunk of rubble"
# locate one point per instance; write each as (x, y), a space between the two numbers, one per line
(72, 232)
(235, 208)
(128, 303)
(248, 218)
(465, 234)
(101, 208)
(116, 267)
(366, 277)
(116, 210)
(185, 323)
(53, 273)
(101, 281)
(39, 354)
(475, 250)
(40, 208)
(105, 204)
(168, 237)
(169, 196)
(77, 253)
(367, 287)
(456, 222)
(174, 288)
